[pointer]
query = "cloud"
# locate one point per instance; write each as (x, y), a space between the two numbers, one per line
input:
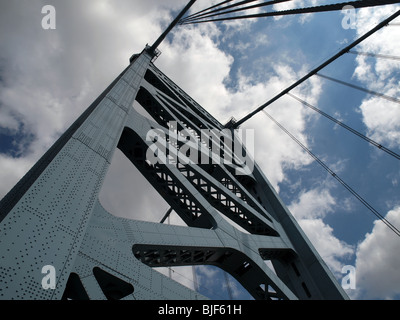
(194, 61)
(315, 203)
(253, 41)
(332, 250)
(309, 210)
(381, 117)
(377, 263)
(294, 5)
(10, 170)
(214, 283)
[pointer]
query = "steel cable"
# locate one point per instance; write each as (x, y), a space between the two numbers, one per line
(324, 8)
(333, 174)
(374, 143)
(375, 55)
(217, 12)
(350, 85)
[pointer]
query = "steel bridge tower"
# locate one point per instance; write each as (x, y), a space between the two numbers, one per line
(53, 216)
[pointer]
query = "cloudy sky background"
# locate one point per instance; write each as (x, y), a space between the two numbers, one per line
(48, 77)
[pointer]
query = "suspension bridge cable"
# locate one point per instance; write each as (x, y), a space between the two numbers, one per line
(317, 69)
(375, 55)
(333, 174)
(374, 143)
(167, 214)
(378, 94)
(207, 9)
(217, 12)
(161, 38)
(211, 13)
(324, 8)
(203, 12)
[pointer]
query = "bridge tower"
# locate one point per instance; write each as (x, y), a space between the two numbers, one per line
(52, 220)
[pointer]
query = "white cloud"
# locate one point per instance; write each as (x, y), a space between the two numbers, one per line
(331, 249)
(11, 169)
(195, 63)
(381, 117)
(315, 203)
(294, 5)
(309, 210)
(378, 261)
(212, 282)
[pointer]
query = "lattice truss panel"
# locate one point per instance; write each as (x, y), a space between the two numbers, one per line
(53, 216)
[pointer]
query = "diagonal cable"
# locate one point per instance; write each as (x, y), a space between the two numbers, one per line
(217, 12)
(374, 143)
(375, 55)
(331, 172)
(350, 85)
(324, 8)
(216, 9)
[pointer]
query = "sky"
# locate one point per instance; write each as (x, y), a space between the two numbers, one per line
(49, 77)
